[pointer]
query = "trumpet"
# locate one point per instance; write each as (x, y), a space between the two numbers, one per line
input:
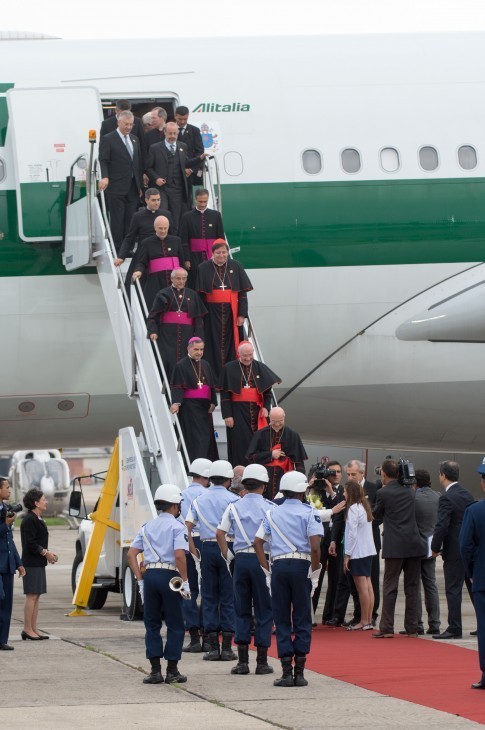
(176, 584)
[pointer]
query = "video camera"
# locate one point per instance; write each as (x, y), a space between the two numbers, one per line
(321, 472)
(12, 509)
(406, 476)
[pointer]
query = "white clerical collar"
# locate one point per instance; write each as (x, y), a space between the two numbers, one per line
(199, 210)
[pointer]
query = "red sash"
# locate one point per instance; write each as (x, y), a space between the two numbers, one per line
(164, 263)
(226, 296)
(251, 395)
(284, 462)
(202, 244)
(176, 318)
(204, 392)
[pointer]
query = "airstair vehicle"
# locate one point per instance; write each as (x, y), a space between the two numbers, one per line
(44, 470)
(158, 455)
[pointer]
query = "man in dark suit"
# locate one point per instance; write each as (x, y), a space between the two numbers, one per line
(451, 508)
(168, 168)
(111, 123)
(9, 563)
(190, 135)
(426, 506)
(472, 549)
(156, 133)
(121, 162)
(402, 549)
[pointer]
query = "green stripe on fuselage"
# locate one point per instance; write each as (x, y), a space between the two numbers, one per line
(288, 225)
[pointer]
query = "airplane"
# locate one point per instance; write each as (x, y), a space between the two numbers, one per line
(352, 180)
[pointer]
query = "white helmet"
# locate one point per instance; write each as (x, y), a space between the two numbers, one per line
(221, 468)
(168, 493)
(200, 468)
(255, 471)
(293, 481)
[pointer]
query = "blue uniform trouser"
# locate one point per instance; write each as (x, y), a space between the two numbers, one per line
(292, 606)
(159, 598)
(6, 602)
(250, 588)
(217, 590)
(192, 613)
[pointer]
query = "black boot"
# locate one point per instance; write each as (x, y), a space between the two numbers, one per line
(155, 676)
(300, 680)
(262, 666)
(205, 642)
(227, 654)
(214, 653)
(194, 647)
(286, 680)
(242, 666)
(173, 674)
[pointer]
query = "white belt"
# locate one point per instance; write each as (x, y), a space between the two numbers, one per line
(246, 550)
(214, 539)
(168, 566)
(295, 556)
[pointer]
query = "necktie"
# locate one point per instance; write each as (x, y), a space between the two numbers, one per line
(128, 145)
(182, 131)
(172, 149)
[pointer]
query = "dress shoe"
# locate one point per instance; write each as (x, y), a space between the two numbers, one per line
(153, 678)
(419, 632)
(44, 637)
(432, 632)
(25, 636)
(352, 622)
(6, 647)
(382, 635)
(478, 685)
(335, 622)
(474, 633)
(447, 635)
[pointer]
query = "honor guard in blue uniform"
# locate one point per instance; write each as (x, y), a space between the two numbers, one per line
(294, 530)
(163, 542)
(217, 594)
(243, 518)
(199, 471)
(9, 562)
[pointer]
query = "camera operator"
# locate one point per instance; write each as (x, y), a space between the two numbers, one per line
(9, 562)
(326, 492)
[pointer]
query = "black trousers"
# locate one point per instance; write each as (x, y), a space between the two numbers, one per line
(411, 567)
(177, 205)
(330, 565)
(454, 574)
(121, 210)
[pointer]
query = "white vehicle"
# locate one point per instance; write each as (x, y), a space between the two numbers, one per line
(352, 179)
(45, 470)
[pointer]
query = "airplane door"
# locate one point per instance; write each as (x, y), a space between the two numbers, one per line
(50, 129)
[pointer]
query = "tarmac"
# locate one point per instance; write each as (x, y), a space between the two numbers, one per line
(89, 674)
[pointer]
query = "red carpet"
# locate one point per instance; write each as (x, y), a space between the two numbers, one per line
(426, 672)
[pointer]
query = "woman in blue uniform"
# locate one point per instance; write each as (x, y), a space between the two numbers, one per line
(294, 531)
(163, 542)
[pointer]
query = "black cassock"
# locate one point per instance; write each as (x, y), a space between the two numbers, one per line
(192, 386)
(175, 317)
(157, 259)
(224, 291)
(260, 450)
(198, 232)
(246, 389)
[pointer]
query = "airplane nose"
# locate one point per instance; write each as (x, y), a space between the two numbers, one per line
(459, 318)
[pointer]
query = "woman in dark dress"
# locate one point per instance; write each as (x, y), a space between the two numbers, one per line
(35, 556)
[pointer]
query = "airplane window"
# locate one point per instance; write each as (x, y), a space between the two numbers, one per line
(428, 158)
(233, 163)
(2, 170)
(467, 157)
(350, 160)
(311, 161)
(390, 159)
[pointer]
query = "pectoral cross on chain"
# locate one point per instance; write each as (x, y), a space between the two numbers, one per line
(200, 384)
(223, 286)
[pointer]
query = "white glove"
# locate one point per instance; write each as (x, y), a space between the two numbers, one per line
(141, 588)
(196, 557)
(229, 558)
(267, 573)
(314, 576)
(185, 590)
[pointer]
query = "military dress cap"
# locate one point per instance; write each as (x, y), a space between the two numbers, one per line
(481, 468)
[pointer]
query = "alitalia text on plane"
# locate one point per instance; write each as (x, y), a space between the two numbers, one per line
(210, 106)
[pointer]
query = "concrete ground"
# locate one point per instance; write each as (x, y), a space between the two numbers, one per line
(89, 674)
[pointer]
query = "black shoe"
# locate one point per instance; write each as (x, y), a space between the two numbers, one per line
(334, 622)
(352, 622)
(227, 654)
(262, 666)
(478, 685)
(6, 647)
(474, 633)
(214, 653)
(153, 678)
(173, 674)
(418, 632)
(432, 632)
(205, 643)
(25, 636)
(299, 678)
(447, 635)
(194, 647)
(44, 637)
(286, 680)
(242, 666)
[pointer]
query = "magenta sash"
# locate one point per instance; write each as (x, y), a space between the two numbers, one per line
(202, 244)
(165, 263)
(176, 318)
(204, 392)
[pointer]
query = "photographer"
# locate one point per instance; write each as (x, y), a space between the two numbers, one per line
(9, 563)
